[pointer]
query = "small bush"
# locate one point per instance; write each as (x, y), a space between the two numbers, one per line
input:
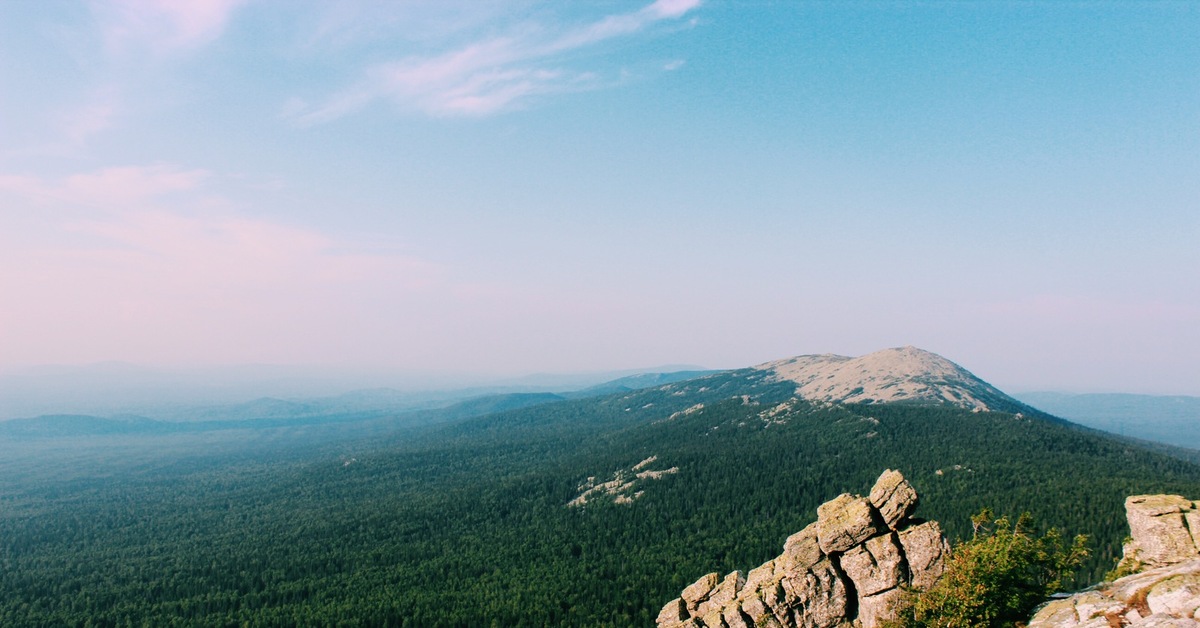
(995, 579)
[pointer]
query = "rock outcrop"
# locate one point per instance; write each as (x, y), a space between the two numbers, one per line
(902, 374)
(1166, 592)
(847, 566)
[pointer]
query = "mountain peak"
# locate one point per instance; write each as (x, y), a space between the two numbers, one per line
(901, 374)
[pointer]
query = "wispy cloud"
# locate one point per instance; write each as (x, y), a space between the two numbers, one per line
(490, 75)
(161, 26)
(95, 115)
(120, 187)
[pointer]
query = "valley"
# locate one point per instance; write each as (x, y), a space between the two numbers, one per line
(441, 518)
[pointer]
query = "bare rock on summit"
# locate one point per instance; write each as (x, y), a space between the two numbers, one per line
(848, 567)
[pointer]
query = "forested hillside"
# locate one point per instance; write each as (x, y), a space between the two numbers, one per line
(466, 522)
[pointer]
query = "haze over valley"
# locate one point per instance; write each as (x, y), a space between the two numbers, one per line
(536, 313)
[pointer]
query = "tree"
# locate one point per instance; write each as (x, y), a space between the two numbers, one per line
(995, 579)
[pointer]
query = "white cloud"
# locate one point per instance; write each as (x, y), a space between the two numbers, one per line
(161, 26)
(489, 75)
(119, 187)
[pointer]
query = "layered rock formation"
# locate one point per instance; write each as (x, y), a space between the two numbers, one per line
(1165, 544)
(848, 566)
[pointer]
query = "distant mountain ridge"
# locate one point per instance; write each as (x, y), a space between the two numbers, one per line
(1171, 419)
(898, 375)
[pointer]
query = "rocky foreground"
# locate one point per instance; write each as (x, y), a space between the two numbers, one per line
(848, 566)
(1164, 551)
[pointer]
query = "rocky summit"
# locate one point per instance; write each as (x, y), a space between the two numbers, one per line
(903, 374)
(1164, 551)
(847, 566)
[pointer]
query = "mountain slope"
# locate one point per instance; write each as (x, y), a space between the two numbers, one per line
(468, 522)
(905, 374)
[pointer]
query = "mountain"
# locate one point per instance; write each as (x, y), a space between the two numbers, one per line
(474, 517)
(637, 382)
(1170, 419)
(901, 375)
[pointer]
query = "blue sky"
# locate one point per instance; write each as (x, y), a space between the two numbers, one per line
(511, 187)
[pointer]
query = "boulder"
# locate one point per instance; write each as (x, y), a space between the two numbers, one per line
(698, 591)
(893, 497)
(800, 551)
(875, 610)
(1158, 526)
(925, 550)
(874, 566)
(845, 522)
(735, 618)
(817, 598)
(673, 612)
(722, 594)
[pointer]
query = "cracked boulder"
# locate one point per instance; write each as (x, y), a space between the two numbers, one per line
(1159, 527)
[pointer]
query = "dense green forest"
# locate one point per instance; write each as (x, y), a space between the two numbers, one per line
(463, 521)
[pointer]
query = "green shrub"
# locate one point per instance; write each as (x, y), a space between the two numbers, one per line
(995, 579)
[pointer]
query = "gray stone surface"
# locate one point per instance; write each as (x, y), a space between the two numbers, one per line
(846, 568)
(893, 497)
(1159, 529)
(845, 522)
(875, 566)
(925, 549)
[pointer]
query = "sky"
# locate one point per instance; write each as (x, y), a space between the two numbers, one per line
(515, 187)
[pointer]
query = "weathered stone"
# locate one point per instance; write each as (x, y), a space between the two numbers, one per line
(1163, 620)
(817, 598)
(845, 522)
(874, 566)
(800, 551)
(759, 576)
(874, 610)
(1132, 586)
(713, 619)
(760, 613)
(1056, 614)
(1089, 608)
(893, 497)
(1177, 595)
(1160, 534)
(721, 595)
(1161, 596)
(925, 551)
(1091, 605)
(672, 613)
(845, 569)
(1191, 517)
(735, 618)
(698, 591)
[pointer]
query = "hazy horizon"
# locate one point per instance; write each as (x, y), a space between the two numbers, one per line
(513, 188)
